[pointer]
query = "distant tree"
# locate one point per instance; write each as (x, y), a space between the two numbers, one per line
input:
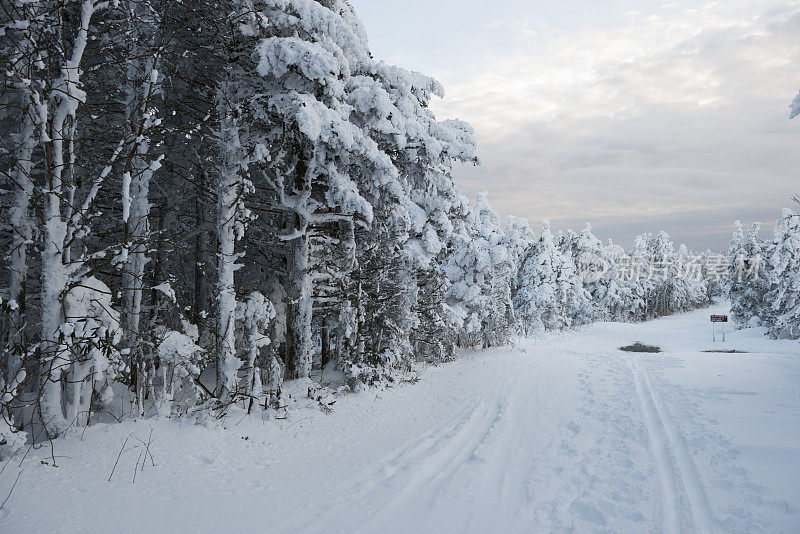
(518, 237)
(613, 292)
(550, 292)
(784, 277)
(748, 282)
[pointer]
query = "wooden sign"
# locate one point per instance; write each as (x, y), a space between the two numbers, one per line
(719, 318)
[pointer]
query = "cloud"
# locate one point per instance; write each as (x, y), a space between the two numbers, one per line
(663, 120)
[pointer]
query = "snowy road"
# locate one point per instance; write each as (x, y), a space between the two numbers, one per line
(564, 433)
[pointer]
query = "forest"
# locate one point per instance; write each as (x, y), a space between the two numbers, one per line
(203, 200)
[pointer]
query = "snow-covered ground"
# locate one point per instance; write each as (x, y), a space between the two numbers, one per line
(560, 433)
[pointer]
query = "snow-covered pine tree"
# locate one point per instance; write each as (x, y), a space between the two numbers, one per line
(715, 273)
(614, 294)
(638, 277)
(736, 255)
(467, 270)
(391, 103)
(402, 253)
(518, 237)
(139, 32)
(661, 253)
(736, 258)
(437, 211)
(232, 219)
(550, 292)
(254, 314)
(688, 287)
(56, 115)
(737, 241)
(587, 253)
(479, 271)
(308, 144)
(499, 320)
(749, 284)
(784, 278)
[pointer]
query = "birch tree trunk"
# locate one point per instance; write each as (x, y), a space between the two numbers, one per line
(229, 190)
(135, 215)
(64, 99)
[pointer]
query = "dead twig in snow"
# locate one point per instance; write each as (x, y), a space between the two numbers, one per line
(118, 457)
(11, 490)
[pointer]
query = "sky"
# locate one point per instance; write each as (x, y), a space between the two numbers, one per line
(636, 115)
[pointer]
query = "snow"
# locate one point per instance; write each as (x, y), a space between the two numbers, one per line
(279, 56)
(554, 433)
(166, 289)
(343, 35)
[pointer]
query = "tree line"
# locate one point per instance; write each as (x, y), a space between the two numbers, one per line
(202, 199)
(765, 278)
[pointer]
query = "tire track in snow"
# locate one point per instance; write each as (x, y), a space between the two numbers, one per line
(460, 453)
(508, 464)
(668, 444)
(701, 510)
(375, 485)
(392, 476)
(432, 473)
(659, 446)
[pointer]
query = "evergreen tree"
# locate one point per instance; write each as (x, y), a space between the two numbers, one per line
(784, 266)
(518, 237)
(749, 283)
(550, 293)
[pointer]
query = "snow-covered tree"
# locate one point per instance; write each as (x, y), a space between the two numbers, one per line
(784, 266)
(68, 169)
(735, 249)
(587, 253)
(479, 271)
(688, 287)
(518, 237)
(550, 291)
(748, 282)
(254, 314)
(309, 144)
(469, 272)
(613, 293)
(232, 219)
(88, 337)
(736, 258)
(392, 104)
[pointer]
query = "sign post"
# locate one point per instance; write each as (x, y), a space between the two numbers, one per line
(714, 320)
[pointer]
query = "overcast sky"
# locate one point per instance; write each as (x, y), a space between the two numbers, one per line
(635, 115)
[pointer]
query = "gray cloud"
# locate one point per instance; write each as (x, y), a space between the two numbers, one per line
(674, 121)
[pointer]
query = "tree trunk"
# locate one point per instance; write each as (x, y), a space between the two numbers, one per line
(22, 233)
(299, 314)
(55, 274)
(228, 191)
(326, 344)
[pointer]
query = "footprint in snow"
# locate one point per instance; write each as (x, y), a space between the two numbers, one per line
(588, 512)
